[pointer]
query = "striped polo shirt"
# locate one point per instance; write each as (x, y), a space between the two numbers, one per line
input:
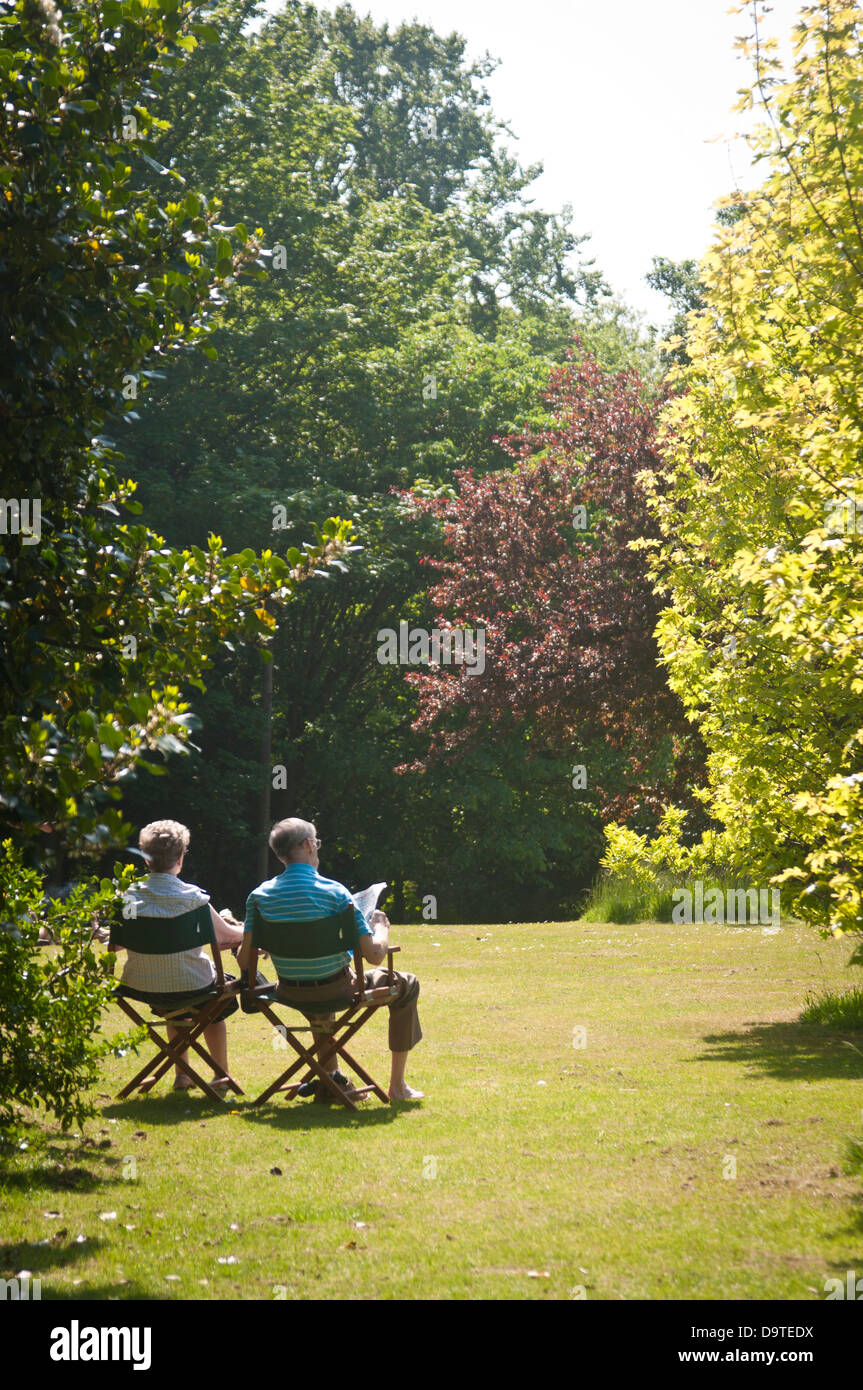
(300, 894)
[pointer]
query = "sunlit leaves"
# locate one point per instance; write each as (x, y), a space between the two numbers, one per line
(51, 1000)
(763, 543)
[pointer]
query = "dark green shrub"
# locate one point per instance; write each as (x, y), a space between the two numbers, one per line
(52, 997)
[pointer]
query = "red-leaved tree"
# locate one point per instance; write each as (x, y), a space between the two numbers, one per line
(538, 556)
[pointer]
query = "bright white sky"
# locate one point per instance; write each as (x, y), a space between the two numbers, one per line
(618, 101)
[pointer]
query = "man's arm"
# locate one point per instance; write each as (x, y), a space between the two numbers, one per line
(374, 947)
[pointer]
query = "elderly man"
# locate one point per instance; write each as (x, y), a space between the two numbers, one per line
(299, 893)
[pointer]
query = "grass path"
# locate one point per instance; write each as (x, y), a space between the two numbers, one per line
(535, 1167)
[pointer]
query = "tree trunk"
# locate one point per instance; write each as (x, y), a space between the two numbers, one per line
(398, 902)
(266, 764)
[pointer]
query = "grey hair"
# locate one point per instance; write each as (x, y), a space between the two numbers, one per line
(289, 834)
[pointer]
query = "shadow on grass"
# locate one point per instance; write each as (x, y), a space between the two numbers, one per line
(59, 1180)
(854, 1228)
(42, 1262)
(174, 1109)
(40, 1259)
(60, 1168)
(788, 1051)
(307, 1115)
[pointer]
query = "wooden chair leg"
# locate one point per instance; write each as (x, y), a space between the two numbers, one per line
(174, 1057)
(207, 1057)
(336, 1047)
(154, 1061)
(314, 1069)
(364, 1076)
(137, 1079)
(353, 1025)
(202, 1052)
(169, 1053)
(289, 1038)
(315, 1066)
(307, 1057)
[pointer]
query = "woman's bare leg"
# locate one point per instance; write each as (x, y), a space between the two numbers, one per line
(216, 1039)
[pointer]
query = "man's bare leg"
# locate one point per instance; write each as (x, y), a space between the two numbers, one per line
(322, 1042)
(399, 1089)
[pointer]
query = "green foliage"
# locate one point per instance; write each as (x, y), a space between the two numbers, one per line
(634, 859)
(103, 625)
(611, 900)
(414, 298)
(100, 274)
(679, 281)
(759, 506)
(619, 339)
(102, 278)
(51, 998)
(834, 1008)
(414, 301)
(640, 873)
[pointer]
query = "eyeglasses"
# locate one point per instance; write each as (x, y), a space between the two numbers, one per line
(317, 843)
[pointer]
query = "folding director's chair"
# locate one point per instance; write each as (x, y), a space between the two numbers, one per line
(325, 936)
(159, 936)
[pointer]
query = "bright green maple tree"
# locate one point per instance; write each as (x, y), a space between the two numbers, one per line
(761, 507)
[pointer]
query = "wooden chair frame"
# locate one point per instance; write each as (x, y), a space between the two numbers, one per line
(195, 1018)
(364, 1003)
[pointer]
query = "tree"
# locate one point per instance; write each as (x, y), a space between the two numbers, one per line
(101, 279)
(413, 305)
(678, 281)
(538, 557)
(758, 507)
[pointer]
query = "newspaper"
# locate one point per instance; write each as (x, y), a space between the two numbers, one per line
(367, 900)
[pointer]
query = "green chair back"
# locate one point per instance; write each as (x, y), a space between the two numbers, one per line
(321, 936)
(164, 936)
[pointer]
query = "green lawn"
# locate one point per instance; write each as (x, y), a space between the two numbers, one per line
(532, 1168)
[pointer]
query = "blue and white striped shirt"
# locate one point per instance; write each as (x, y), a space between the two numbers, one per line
(300, 894)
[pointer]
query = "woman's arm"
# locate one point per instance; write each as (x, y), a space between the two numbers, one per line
(227, 935)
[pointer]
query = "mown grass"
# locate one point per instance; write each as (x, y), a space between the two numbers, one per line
(534, 1168)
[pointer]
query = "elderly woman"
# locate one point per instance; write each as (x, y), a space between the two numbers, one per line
(163, 894)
